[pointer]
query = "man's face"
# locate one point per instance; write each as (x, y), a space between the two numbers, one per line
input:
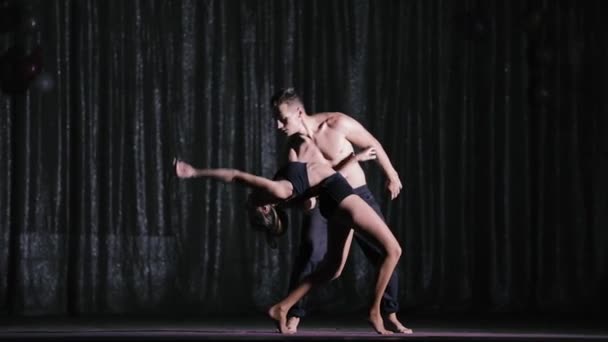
(288, 118)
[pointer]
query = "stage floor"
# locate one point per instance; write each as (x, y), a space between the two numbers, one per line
(316, 327)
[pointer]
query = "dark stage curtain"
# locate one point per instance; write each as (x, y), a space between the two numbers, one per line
(494, 113)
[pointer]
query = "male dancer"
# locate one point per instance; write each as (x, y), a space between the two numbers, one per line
(335, 134)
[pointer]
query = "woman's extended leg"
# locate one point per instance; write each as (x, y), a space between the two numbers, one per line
(340, 239)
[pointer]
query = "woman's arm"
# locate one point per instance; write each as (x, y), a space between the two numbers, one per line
(279, 189)
(364, 155)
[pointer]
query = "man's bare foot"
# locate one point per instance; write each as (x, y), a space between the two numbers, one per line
(375, 319)
(292, 324)
(396, 325)
(280, 316)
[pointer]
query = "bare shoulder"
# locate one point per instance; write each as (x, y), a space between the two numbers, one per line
(340, 121)
(332, 119)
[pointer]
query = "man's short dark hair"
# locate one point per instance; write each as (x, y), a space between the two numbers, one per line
(285, 95)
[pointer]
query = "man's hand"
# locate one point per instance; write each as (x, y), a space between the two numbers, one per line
(394, 186)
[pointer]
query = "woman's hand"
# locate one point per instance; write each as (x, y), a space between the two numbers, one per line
(366, 154)
(184, 170)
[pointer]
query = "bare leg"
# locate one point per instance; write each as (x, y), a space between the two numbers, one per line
(365, 218)
(397, 326)
(344, 245)
(331, 269)
(293, 322)
(279, 311)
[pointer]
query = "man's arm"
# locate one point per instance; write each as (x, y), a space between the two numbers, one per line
(360, 137)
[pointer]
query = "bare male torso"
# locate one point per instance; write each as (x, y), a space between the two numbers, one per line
(330, 138)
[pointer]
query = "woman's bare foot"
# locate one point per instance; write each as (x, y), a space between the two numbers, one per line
(396, 325)
(280, 316)
(375, 319)
(292, 324)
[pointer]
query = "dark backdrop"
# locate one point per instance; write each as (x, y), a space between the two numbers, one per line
(494, 113)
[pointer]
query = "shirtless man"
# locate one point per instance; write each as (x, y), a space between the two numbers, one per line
(335, 134)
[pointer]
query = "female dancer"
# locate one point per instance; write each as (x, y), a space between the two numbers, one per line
(309, 174)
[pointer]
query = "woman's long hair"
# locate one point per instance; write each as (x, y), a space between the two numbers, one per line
(273, 223)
